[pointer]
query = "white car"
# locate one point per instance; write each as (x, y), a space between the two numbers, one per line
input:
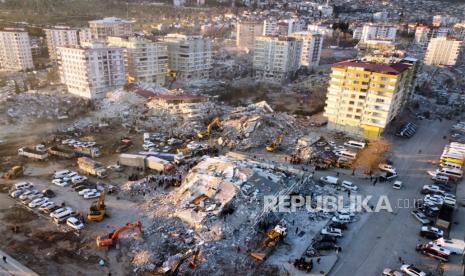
(60, 182)
(412, 270)
(17, 193)
(349, 185)
(346, 212)
(68, 141)
(341, 219)
(330, 231)
(387, 168)
(61, 210)
(85, 191)
(28, 193)
(147, 146)
(431, 189)
(434, 199)
(38, 202)
(450, 200)
(46, 205)
(78, 179)
(91, 195)
(391, 272)
(61, 174)
(397, 185)
(74, 223)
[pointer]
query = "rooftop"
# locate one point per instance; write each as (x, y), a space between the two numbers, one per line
(392, 68)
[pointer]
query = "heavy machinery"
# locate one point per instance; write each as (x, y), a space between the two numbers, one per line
(97, 210)
(104, 241)
(275, 144)
(14, 172)
(206, 133)
(172, 76)
(272, 239)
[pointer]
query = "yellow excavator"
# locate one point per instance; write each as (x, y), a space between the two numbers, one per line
(97, 209)
(273, 238)
(275, 144)
(14, 172)
(206, 133)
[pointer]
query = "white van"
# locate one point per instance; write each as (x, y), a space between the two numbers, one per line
(341, 218)
(23, 185)
(329, 180)
(348, 154)
(455, 246)
(355, 144)
(63, 216)
(451, 165)
(452, 173)
(61, 174)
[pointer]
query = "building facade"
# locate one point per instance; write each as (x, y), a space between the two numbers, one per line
(60, 36)
(110, 26)
(189, 56)
(363, 97)
(423, 34)
(276, 59)
(15, 50)
(145, 60)
(246, 31)
(443, 51)
(93, 70)
(379, 32)
(312, 44)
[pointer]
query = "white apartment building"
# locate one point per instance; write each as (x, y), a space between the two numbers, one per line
(110, 26)
(93, 70)
(189, 56)
(444, 20)
(145, 60)
(443, 51)
(423, 34)
(276, 59)
(364, 97)
(85, 36)
(272, 27)
(321, 29)
(15, 50)
(312, 44)
(246, 31)
(60, 36)
(378, 32)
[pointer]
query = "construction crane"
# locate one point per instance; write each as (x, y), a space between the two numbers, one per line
(172, 76)
(97, 210)
(272, 239)
(275, 144)
(114, 236)
(206, 133)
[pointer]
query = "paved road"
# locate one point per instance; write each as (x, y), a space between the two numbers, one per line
(13, 267)
(381, 238)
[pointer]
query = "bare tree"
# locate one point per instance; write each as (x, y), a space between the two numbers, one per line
(369, 158)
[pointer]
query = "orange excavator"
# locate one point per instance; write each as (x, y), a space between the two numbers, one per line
(114, 236)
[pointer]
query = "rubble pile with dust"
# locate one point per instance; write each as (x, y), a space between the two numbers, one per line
(32, 105)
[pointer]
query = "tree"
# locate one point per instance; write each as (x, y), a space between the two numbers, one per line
(371, 156)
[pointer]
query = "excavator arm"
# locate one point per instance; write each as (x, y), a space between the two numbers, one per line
(206, 133)
(102, 242)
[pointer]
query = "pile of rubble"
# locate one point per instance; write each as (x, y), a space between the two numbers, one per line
(32, 105)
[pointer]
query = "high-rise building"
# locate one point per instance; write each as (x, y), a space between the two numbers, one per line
(110, 26)
(15, 50)
(283, 27)
(444, 20)
(312, 44)
(276, 59)
(145, 60)
(85, 36)
(423, 34)
(364, 96)
(246, 31)
(93, 70)
(443, 51)
(59, 36)
(189, 56)
(373, 31)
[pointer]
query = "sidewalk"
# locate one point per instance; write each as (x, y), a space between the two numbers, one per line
(13, 267)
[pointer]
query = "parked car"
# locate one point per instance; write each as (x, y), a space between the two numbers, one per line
(326, 238)
(331, 231)
(91, 195)
(27, 193)
(60, 182)
(397, 185)
(74, 223)
(78, 179)
(435, 251)
(431, 189)
(412, 270)
(61, 174)
(60, 210)
(386, 168)
(432, 233)
(17, 193)
(421, 217)
(349, 185)
(388, 176)
(340, 225)
(390, 272)
(341, 218)
(325, 246)
(450, 200)
(48, 193)
(329, 180)
(46, 206)
(37, 202)
(434, 199)
(87, 190)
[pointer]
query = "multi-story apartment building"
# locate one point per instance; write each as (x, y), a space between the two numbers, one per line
(373, 31)
(443, 51)
(276, 59)
(272, 27)
(444, 20)
(246, 31)
(145, 60)
(312, 44)
(15, 50)
(363, 96)
(423, 34)
(60, 36)
(110, 26)
(85, 36)
(189, 56)
(93, 70)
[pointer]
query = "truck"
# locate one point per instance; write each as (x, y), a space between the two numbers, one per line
(157, 164)
(272, 239)
(176, 158)
(91, 167)
(445, 217)
(132, 160)
(61, 152)
(33, 153)
(92, 152)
